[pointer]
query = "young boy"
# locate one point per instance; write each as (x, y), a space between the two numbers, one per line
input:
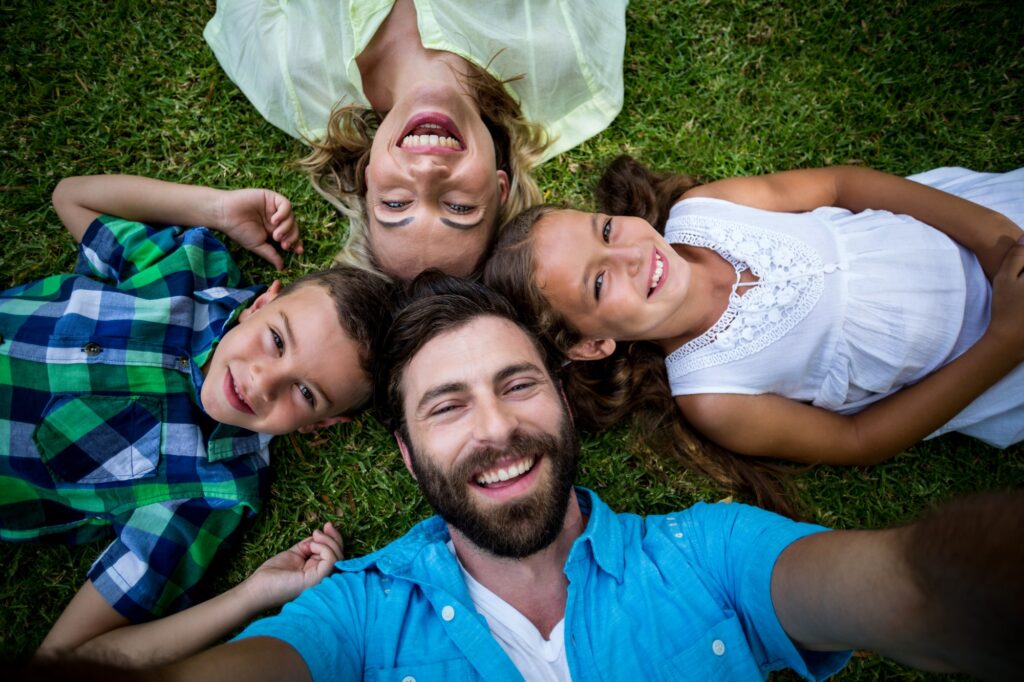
(139, 394)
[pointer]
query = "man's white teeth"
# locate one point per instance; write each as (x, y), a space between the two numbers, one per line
(431, 140)
(505, 473)
(659, 269)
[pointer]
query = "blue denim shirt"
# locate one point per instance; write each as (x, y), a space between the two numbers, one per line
(680, 596)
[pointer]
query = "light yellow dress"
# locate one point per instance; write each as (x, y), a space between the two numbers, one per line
(296, 60)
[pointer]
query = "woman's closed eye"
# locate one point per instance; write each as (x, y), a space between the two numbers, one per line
(460, 209)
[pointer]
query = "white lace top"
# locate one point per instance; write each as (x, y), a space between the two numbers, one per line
(848, 308)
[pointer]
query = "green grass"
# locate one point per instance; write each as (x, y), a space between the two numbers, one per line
(715, 88)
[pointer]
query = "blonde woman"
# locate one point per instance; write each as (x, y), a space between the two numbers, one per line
(426, 116)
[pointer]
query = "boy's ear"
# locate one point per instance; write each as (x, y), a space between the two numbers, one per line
(592, 349)
(266, 297)
(404, 449)
(324, 423)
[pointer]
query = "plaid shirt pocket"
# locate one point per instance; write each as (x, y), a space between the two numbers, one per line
(100, 439)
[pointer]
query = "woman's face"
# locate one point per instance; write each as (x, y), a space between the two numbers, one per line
(611, 277)
(433, 192)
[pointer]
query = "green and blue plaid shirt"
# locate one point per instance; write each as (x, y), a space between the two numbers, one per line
(100, 425)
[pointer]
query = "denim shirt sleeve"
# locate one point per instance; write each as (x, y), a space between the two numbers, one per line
(326, 625)
(737, 546)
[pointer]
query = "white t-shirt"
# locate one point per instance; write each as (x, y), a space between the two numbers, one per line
(538, 659)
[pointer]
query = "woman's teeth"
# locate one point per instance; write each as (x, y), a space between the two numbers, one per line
(423, 138)
(505, 473)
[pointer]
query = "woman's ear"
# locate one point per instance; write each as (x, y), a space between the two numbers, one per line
(266, 297)
(592, 349)
(502, 187)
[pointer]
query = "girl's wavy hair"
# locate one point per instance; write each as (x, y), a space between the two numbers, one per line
(631, 383)
(337, 164)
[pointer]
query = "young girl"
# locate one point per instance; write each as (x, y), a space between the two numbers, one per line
(426, 117)
(803, 315)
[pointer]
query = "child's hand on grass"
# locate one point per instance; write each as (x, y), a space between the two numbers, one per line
(1008, 301)
(284, 576)
(255, 218)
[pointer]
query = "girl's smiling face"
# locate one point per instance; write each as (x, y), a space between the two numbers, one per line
(610, 277)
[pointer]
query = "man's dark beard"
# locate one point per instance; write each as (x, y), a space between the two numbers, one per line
(513, 530)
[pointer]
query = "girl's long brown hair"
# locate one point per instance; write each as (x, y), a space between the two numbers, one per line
(632, 382)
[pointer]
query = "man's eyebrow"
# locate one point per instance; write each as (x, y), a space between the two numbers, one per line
(438, 391)
(512, 370)
(290, 339)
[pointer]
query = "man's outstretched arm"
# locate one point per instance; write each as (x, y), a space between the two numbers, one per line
(944, 594)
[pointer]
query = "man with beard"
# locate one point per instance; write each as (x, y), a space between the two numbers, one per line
(523, 576)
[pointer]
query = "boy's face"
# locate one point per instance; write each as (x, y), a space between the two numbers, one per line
(287, 365)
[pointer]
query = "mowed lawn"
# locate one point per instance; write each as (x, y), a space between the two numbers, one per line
(713, 88)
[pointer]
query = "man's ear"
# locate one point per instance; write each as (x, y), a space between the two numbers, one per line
(592, 349)
(324, 423)
(266, 297)
(404, 449)
(502, 187)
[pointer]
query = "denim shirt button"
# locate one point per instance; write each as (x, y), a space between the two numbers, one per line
(448, 613)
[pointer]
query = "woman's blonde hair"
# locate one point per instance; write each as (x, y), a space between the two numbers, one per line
(630, 384)
(337, 164)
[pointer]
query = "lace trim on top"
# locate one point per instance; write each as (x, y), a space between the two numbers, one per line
(790, 275)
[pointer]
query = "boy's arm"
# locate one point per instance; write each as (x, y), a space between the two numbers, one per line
(942, 594)
(251, 217)
(90, 628)
(987, 233)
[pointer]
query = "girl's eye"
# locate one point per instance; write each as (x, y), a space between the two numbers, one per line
(598, 283)
(278, 343)
(395, 205)
(460, 208)
(307, 394)
(606, 232)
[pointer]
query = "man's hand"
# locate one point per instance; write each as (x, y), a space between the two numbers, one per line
(255, 218)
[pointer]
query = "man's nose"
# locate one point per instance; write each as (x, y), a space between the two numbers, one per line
(494, 423)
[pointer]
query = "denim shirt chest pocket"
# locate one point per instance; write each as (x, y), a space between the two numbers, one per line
(92, 439)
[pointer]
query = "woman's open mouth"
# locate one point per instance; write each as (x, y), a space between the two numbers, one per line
(431, 133)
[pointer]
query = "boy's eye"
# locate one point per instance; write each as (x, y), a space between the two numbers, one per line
(606, 232)
(307, 394)
(460, 208)
(598, 283)
(278, 342)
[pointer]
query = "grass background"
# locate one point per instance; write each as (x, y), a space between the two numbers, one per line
(716, 88)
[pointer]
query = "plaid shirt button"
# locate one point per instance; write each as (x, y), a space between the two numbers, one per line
(92, 349)
(183, 362)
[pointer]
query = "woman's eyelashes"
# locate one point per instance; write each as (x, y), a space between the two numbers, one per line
(606, 231)
(606, 235)
(460, 209)
(394, 205)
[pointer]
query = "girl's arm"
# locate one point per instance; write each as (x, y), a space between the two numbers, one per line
(187, 632)
(987, 233)
(773, 426)
(251, 217)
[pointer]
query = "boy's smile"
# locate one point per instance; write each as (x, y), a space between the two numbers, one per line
(287, 365)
